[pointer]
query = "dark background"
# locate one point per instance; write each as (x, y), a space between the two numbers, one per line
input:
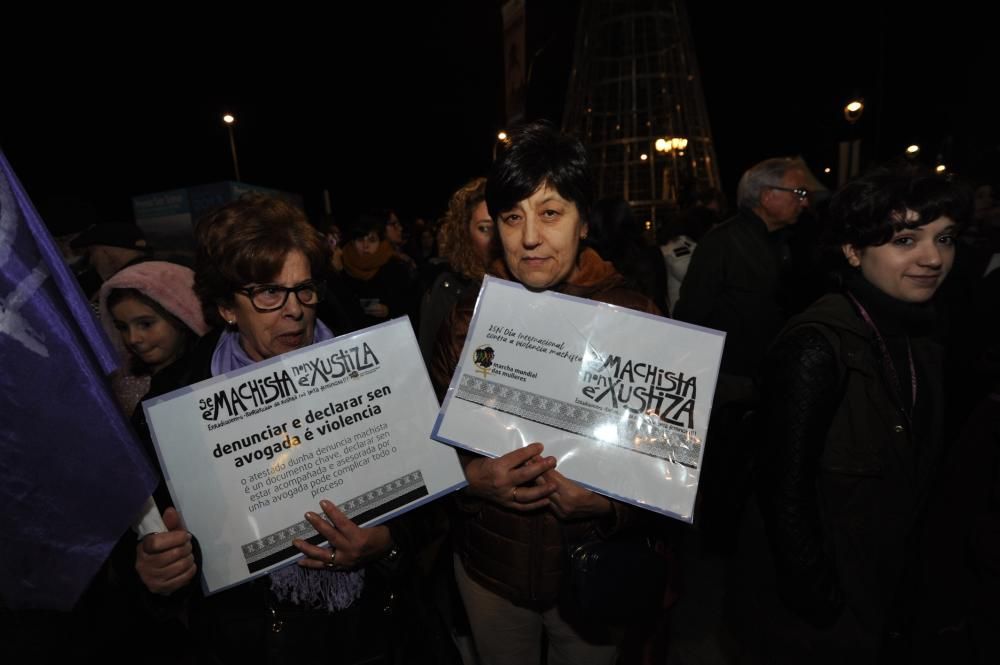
(398, 104)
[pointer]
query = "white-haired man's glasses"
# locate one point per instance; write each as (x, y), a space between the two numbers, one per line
(801, 192)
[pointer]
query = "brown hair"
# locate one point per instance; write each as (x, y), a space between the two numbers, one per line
(117, 296)
(458, 246)
(247, 241)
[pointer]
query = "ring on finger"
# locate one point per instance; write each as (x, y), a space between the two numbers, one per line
(513, 495)
(333, 558)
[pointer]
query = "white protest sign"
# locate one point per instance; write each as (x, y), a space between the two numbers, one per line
(246, 454)
(620, 398)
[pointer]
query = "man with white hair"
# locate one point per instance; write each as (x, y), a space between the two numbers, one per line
(733, 281)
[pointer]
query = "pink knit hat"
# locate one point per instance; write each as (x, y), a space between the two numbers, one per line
(168, 284)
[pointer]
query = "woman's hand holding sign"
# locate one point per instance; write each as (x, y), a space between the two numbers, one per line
(351, 546)
(573, 501)
(514, 480)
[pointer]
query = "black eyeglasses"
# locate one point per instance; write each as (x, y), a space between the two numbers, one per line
(272, 297)
(800, 192)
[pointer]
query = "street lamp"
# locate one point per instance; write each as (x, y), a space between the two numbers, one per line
(853, 110)
(849, 151)
(229, 119)
(502, 137)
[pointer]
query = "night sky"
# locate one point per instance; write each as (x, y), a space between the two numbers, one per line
(396, 105)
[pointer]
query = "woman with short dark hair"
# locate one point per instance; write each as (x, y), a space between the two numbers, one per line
(519, 515)
(853, 428)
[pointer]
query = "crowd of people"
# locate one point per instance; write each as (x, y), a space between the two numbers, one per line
(848, 505)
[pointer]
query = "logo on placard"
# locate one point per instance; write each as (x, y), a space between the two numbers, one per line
(482, 358)
(618, 382)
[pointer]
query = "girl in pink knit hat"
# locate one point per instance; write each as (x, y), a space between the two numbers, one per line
(152, 315)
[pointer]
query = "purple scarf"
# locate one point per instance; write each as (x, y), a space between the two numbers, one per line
(330, 590)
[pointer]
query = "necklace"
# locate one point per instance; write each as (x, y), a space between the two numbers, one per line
(890, 367)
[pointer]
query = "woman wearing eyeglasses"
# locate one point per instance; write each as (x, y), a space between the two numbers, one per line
(853, 435)
(259, 267)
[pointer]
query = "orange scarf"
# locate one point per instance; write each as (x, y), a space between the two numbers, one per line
(366, 266)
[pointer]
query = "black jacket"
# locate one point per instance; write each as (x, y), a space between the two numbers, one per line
(733, 284)
(845, 467)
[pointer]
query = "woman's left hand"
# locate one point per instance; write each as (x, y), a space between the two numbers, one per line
(351, 546)
(571, 501)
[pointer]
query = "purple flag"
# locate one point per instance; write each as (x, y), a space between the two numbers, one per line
(72, 474)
